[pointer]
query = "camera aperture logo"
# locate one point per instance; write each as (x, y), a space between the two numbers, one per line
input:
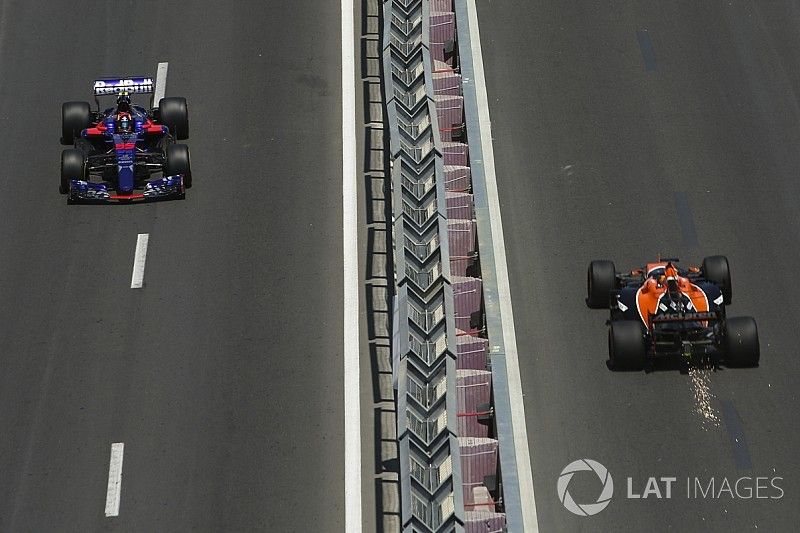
(585, 465)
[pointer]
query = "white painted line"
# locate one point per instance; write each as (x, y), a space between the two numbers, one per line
(137, 278)
(114, 479)
(350, 314)
(521, 448)
(161, 83)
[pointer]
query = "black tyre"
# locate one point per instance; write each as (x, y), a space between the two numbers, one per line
(175, 115)
(716, 270)
(601, 280)
(626, 348)
(73, 167)
(75, 117)
(741, 342)
(177, 162)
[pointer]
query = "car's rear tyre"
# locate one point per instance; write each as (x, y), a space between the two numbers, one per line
(626, 349)
(601, 280)
(715, 269)
(75, 117)
(175, 115)
(177, 162)
(741, 342)
(73, 167)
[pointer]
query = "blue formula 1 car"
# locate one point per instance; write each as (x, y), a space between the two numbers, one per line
(125, 153)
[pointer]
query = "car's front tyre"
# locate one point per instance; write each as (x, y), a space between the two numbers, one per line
(716, 270)
(73, 167)
(601, 280)
(177, 162)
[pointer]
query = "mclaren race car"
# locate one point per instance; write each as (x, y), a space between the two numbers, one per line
(665, 311)
(124, 153)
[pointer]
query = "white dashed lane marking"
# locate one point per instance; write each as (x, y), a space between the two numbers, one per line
(161, 83)
(114, 479)
(137, 278)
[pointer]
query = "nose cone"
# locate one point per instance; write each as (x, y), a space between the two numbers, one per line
(125, 147)
(125, 179)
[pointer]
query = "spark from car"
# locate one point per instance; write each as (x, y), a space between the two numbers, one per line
(700, 380)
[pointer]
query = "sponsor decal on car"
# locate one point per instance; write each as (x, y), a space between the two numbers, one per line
(115, 85)
(684, 316)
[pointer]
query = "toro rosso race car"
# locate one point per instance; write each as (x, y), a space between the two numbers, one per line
(125, 153)
(664, 311)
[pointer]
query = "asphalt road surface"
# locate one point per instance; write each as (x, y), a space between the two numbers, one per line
(222, 375)
(621, 131)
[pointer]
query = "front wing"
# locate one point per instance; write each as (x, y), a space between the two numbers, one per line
(87, 192)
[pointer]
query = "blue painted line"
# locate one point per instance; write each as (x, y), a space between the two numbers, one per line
(741, 455)
(686, 220)
(646, 46)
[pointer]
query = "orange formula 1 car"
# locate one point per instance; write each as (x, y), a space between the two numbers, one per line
(664, 311)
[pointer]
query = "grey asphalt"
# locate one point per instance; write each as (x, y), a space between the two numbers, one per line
(621, 131)
(222, 376)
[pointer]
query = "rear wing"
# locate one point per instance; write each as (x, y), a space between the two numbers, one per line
(131, 84)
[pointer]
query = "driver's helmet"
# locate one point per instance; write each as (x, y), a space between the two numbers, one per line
(124, 102)
(124, 123)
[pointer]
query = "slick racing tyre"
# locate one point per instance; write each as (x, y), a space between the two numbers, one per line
(741, 342)
(175, 115)
(715, 269)
(177, 162)
(601, 280)
(73, 167)
(75, 117)
(626, 348)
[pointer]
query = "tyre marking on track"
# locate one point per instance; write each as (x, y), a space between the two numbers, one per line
(161, 82)
(519, 428)
(646, 46)
(137, 278)
(114, 489)
(352, 397)
(686, 220)
(733, 423)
